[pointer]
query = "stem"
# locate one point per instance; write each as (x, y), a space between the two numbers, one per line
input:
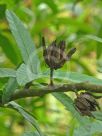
(51, 76)
(73, 87)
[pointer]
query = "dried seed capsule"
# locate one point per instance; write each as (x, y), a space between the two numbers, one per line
(85, 103)
(55, 55)
(91, 100)
(82, 103)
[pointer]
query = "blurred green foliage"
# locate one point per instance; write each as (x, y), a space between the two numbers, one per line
(78, 22)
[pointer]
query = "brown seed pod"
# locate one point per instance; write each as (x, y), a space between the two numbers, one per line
(55, 55)
(91, 100)
(85, 103)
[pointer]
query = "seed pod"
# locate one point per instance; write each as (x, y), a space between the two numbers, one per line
(55, 56)
(91, 100)
(85, 103)
(82, 103)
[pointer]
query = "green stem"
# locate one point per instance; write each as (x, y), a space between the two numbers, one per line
(51, 76)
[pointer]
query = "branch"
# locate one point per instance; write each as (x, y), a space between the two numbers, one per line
(74, 87)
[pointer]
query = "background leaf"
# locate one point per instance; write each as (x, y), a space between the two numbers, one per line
(90, 129)
(7, 72)
(2, 11)
(30, 134)
(30, 118)
(9, 89)
(69, 105)
(51, 4)
(9, 50)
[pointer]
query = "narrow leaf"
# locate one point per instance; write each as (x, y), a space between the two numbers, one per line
(73, 77)
(77, 77)
(30, 118)
(2, 11)
(94, 37)
(69, 105)
(24, 41)
(97, 115)
(67, 102)
(9, 49)
(9, 89)
(52, 5)
(7, 72)
(30, 134)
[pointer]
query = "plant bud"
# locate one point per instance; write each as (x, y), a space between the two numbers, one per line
(55, 56)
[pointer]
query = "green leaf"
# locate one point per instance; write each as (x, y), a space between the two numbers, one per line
(30, 118)
(97, 115)
(72, 128)
(7, 72)
(99, 64)
(24, 75)
(76, 77)
(72, 77)
(94, 37)
(30, 134)
(68, 103)
(24, 41)
(9, 49)
(89, 129)
(99, 50)
(99, 69)
(9, 89)
(2, 11)
(99, 45)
